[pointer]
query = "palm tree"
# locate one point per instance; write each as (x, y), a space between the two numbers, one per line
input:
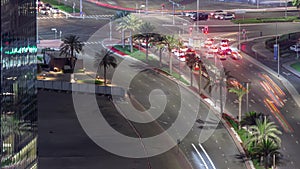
(70, 45)
(170, 42)
(106, 60)
(263, 130)
(251, 118)
(296, 3)
(146, 34)
(118, 15)
(131, 23)
(266, 149)
(191, 61)
(160, 47)
(240, 92)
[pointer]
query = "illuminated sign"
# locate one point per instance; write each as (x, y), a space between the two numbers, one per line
(30, 49)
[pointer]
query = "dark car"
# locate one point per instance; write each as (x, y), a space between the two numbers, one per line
(48, 6)
(201, 16)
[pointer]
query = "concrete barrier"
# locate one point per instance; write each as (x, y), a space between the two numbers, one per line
(85, 88)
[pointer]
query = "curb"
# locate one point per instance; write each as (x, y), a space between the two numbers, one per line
(287, 65)
(291, 89)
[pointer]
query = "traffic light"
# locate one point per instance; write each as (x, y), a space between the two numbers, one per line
(205, 30)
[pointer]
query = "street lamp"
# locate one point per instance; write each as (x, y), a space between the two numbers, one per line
(146, 10)
(197, 15)
(278, 52)
(80, 4)
(55, 31)
(60, 32)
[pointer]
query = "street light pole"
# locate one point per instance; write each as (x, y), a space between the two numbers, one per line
(173, 13)
(55, 31)
(80, 8)
(278, 53)
(247, 96)
(285, 14)
(146, 12)
(197, 15)
(60, 32)
(239, 37)
(110, 27)
(37, 27)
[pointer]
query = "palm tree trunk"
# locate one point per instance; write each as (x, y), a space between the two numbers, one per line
(266, 161)
(170, 62)
(240, 112)
(147, 50)
(131, 44)
(123, 38)
(104, 67)
(71, 59)
(160, 57)
(191, 73)
(200, 78)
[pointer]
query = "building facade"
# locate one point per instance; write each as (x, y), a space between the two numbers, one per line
(18, 79)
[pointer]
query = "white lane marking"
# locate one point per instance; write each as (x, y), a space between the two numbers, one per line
(212, 164)
(200, 156)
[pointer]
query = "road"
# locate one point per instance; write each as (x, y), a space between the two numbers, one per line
(289, 140)
(245, 71)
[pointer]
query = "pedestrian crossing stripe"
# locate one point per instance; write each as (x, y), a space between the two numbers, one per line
(92, 43)
(57, 17)
(98, 16)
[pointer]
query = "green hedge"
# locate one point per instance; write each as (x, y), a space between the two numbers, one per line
(61, 6)
(266, 20)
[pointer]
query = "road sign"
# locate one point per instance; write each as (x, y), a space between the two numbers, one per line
(275, 51)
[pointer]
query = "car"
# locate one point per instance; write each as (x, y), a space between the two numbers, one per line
(222, 56)
(216, 12)
(54, 10)
(178, 53)
(47, 6)
(208, 43)
(213, 49)
(228, 16)
(219, 14)
(182, 58)
(201, 16)
(295, 48)
(44, 11)
(224, 47)
(236, 55)
(190, 14)
(224, 42)
(232, 82)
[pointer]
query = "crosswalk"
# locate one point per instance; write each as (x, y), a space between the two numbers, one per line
(51, 17)
(92, 43)
(98, 16)
(87, 17)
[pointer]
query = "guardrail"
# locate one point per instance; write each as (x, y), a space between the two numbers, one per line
(85, 88)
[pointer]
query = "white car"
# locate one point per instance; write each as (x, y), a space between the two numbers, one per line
(178, 53)
(228, 16)
(224, 47)
(295, 48)
(54, 10)
(44, 11)
(218, 15)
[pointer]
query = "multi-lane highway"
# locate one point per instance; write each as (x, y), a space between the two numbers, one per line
(218, 144)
